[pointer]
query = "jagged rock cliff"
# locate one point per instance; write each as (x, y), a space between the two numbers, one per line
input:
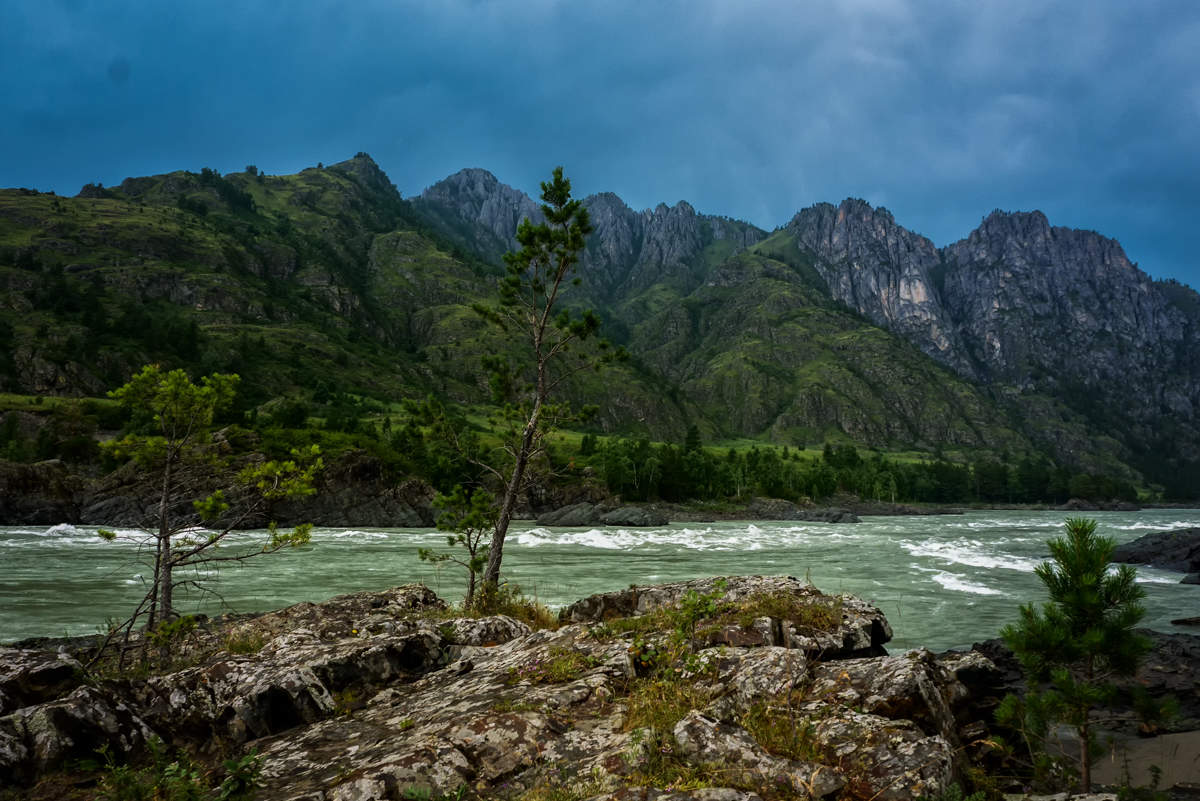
(1056, 312)
(881, 270)
(627, 252)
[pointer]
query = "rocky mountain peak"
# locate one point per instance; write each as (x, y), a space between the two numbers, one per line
(880, 269)
(476, 197)
(364, 169)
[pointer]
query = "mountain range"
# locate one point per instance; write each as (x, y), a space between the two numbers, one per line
(838, 325)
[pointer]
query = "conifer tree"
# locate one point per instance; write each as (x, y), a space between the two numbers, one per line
(530, 310)
(1072, 648)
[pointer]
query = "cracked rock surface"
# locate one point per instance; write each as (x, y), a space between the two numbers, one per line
(775, 690)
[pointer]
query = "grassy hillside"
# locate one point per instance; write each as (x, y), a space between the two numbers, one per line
(327, 283)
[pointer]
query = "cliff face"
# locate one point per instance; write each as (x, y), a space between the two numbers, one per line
(1030, 308)
(627, 252)
(1070, 336)
(883, 271)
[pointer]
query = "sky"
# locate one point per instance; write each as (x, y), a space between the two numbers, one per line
(940, 111)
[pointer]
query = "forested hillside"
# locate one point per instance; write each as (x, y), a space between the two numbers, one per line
(336, 300)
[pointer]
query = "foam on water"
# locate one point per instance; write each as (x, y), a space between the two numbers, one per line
(751, 538)
(953, 581)
(969, 552)
(1157, 526)
(355, 534)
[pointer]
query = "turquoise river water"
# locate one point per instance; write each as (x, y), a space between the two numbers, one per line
(943, 582)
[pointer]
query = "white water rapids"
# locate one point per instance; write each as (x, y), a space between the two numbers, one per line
(942, 581)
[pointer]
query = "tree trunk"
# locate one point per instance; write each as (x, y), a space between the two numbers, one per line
(1085, 758)
(163, 577)
(491, 575)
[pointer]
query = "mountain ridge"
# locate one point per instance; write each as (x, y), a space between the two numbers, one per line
(822, 327)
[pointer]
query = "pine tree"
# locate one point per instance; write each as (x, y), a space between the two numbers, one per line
(1073, 647)
(530, 310)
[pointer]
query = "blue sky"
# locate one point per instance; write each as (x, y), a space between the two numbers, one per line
(1089, 111)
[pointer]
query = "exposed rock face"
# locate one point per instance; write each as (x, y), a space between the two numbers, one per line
(358, 698)
(1167, 550)
(627, 251)
(882, 270)
(1045, 309)
(490, 210)
(44, 493)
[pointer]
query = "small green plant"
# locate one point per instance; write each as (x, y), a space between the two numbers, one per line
(470, 516)
(1072, 648)
(168, 634)
(955, 792)
(406, 724)
(660, 703)
(1128, 792)
(244, 642)
(177, 779)
(784, 733)
(560, 665)
(694, 607)
(507, 599)
(347, 701)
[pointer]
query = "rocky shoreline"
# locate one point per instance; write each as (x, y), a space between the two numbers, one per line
(355, 491)
(729, 689)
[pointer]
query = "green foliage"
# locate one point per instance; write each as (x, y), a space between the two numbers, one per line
(560, 665)
(172, 420)
(1073, 647)
(177, 778)
(507, 599)
(471, 517)
(694, 607)
(955, 793)
(780, 730)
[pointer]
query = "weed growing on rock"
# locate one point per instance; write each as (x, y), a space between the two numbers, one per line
(557, 784)
(507, 599)
(559, 666)
(246, 642)
(178, 779)
(819, 614)
(781, 731)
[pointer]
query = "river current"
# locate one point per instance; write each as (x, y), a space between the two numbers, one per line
(943, 582)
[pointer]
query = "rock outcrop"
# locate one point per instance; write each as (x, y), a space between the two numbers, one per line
(375, 695)
(1167, 550)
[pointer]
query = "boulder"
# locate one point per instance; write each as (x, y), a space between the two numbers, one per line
(704, 741)
(829, 515)
(882, 759)
(634, 516)
(29, 677)
(1166, 550)
(577, 515)
(43, 737)
(910, 687)
(1191, 578)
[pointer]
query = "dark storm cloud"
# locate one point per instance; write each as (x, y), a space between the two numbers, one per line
(940, 111)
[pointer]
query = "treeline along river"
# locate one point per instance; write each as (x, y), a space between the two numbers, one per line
(943, 582)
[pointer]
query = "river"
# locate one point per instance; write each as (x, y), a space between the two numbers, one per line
(943, 582)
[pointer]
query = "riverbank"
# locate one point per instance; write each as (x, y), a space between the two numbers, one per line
(736, 688)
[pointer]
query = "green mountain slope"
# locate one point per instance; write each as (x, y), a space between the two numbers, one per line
(328, 280)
